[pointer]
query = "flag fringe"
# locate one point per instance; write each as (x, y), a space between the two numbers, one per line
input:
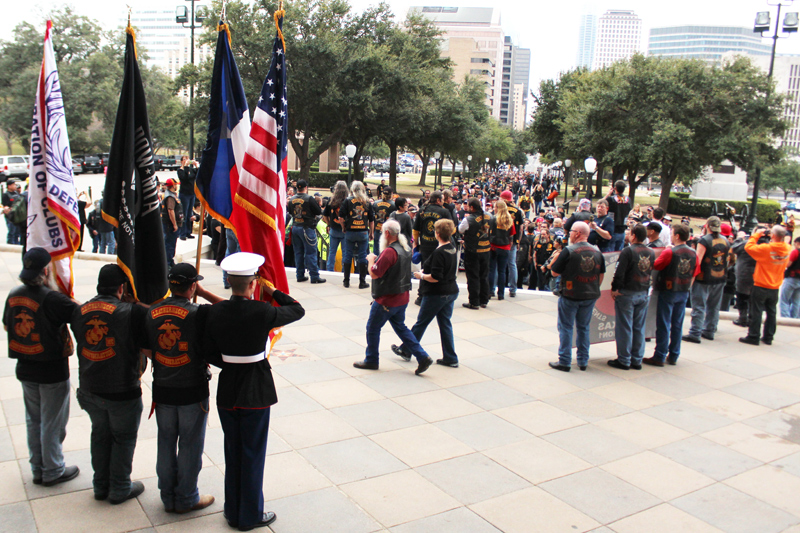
(256, 212)
(204, 202)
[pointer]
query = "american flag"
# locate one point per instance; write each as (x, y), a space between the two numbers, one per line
(260, 201)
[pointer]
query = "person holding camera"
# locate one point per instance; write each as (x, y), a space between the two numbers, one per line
(187, 175)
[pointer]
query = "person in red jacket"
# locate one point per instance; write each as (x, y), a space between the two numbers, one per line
(771, 260)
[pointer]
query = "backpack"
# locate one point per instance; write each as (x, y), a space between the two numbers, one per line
(19, 211)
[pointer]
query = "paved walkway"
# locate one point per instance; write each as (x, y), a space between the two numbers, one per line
(501, 443)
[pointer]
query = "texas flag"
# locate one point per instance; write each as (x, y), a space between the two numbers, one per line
(228, 133)
(53, 222)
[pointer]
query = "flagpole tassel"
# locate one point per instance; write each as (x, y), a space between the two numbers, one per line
(224, 26)
(279, 15)
(129, 30)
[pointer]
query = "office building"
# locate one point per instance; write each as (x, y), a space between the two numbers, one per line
(619, 35)
(586, 40)
(707, 43)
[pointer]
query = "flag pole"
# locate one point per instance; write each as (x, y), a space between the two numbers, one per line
(199, 242)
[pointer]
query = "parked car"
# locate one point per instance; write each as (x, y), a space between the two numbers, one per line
(91, 163)
(103, 159)
(793, 206)
(13, 166)
(76, 167)
(171, 162)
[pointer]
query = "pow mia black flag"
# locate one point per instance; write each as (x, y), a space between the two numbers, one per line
(130, 198)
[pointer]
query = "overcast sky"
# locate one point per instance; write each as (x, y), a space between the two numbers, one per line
(549, 29)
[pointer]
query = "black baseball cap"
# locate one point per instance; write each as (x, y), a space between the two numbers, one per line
(183, 273)
(110, 277)
(33, 262)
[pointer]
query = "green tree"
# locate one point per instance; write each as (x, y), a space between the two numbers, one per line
(784, 175)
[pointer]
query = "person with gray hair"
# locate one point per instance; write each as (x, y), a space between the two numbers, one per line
(358, 220)
(331, 217)
(391, 283)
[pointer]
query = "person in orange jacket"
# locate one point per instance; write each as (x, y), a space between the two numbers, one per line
(771, 260)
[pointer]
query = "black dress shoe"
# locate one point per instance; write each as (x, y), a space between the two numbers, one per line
(484, 306)
(583, 368)
(137, 487)
(37, 480)
(652, 361)
(512, 294)
(182, 238)
(268, 518)
(501, 297)
(365, 365)
(470, 306)
(318, 280)
(365, 285)
(689, 338)
(741, 323)
(190, 236)
(446, 363)
(398, 350)
(418, 301)
(558, 366)
(301, 280)
(749, 340)
(707, 336)
(70, 472)
(346, 283)
(615, 363)
(767, 342)
(424, 364)
(635, 366)
(100, 497)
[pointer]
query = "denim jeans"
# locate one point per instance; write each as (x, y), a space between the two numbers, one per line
(669, 324)
(763, 301)
(108, 244)
(512, 269)
(617, 242)
(115, 426)
(790, 298)
(304, 242)
(46, 415)
(706, 301)
(631, 313)
(181, 436)
(95, 243)
(396, 316)
(574, 314)
(498, 269)
(170, 241)
(336, 236)
(187, 202)
(13, 236)
(439, 307)
(232, 247)
(355, 241)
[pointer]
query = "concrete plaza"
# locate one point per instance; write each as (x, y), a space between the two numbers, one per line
(501, 443)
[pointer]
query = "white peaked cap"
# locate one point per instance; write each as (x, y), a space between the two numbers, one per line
(242, 264)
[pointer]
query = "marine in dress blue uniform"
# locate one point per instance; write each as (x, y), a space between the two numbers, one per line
(238, 338)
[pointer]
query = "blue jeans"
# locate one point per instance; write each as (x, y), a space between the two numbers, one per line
(790, 298)
(95, 243)
(512, 269)
(13, 236)
(498, 269)
(187, 202)
(46, 415)
(181, 436)
(170, 241)
(396, 316)
(439, 307)
(304, 242)
(232, 247)
(617, 242)
(336, 236)
(108, 244)
(574, 314)
(631, 313)
(706, 301)
(669, 324)
(115, 426)
(246, 433)
(355, 241)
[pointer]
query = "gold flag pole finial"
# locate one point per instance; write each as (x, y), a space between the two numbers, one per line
(223, 16)
(129, 15)
(132, 33)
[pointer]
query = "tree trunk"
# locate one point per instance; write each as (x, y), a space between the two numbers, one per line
(667, 180)
(301, 150)
(393, 166)
(423, 156)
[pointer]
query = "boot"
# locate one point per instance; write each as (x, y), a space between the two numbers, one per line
(362, 276)
(346, 273)
(744, 316)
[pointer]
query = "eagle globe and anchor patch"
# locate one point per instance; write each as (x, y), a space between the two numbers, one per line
(97, 332)
(171, 336)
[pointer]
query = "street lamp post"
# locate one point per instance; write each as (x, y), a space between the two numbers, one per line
(486, 166)
(350, 151)
(590, 164)
(182, 18)
(567, 164)
(436, 156)
(469, 162)
(762, 24)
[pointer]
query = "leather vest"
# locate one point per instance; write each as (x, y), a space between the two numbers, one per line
(516, 216)
(793, 270)
(497, 236)
(165, 212)
(713, 269)
(172, 335)
(476, 238)
(428, 218)
(677, 276)
(397, 279)
(581, 277)
(356, 215)
(33, 337)
(300, 212)
(108, 359)
(641, 267)
(382, 210)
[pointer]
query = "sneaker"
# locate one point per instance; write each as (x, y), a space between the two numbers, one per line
(424, 364)
(615, 363)
(445, 363)
(70, 472)
(398, 350)
(689, 338)
(137, 487)
(652, 361)
(204, 501)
